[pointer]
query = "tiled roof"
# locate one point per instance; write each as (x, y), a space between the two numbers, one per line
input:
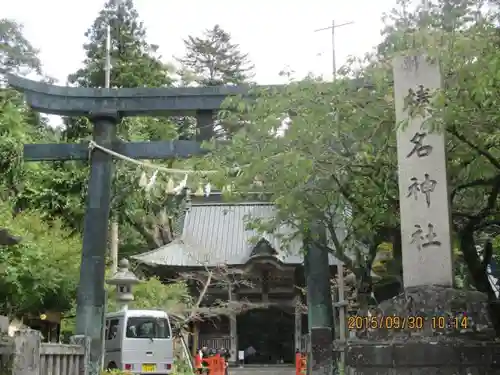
(216, 233)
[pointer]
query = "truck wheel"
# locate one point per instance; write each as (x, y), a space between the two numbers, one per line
(111, 366)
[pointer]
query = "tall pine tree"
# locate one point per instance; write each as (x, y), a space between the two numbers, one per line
(214, 60)
(135, 63)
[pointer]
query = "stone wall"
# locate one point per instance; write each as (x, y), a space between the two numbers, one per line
(25, 354)
(466, 344)
(455, 357)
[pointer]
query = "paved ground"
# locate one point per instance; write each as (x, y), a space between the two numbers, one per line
(264, 370)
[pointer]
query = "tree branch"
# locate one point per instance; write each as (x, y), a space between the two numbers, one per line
(339, 249)
(148, 237)
(480, 151)
(204, 290)
(492, 200)
(487, 255)
(347, 195)
(478, 182)
(487, 224)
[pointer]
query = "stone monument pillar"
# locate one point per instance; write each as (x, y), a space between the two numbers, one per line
(431, 328)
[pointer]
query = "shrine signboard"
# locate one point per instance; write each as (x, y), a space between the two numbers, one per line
(423, 184)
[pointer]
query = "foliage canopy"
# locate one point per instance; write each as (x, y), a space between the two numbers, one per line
(327, 150)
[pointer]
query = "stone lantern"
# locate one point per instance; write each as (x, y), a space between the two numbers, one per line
(123, 279)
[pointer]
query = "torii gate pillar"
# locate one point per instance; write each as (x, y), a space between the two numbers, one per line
(91, 297)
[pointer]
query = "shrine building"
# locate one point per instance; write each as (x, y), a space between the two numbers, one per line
(215, 233)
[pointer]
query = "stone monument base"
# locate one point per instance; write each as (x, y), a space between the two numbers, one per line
(423, 357)
(426, 330)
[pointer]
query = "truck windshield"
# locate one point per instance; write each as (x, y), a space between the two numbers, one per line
(148, 328)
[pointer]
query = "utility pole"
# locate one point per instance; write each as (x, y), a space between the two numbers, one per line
(334, 59)
(319, 301)
(107, 66)
(317, 275)
(114, 221)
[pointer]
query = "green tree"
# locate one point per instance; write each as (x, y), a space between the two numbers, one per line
(337, 159)
(47, 187)
(56, 189)
(33, 185)
(151, 293)
(40, 273)
(213, 60)
(17, 55)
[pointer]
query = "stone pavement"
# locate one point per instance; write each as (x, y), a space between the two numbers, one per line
(263, 370)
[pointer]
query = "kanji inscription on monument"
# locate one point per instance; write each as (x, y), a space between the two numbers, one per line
(423, 188)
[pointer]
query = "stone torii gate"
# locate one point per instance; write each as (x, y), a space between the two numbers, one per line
(105, 108)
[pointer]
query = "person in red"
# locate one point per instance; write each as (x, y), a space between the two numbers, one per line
(224, 353)
(200, 365)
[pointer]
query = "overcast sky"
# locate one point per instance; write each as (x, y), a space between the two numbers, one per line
(275, 33)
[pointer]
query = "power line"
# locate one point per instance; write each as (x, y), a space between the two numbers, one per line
(333, 27)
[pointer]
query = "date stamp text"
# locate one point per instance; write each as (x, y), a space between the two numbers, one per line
(358, 322)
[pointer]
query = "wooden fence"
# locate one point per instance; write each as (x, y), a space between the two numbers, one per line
(215, 342)
(25, 354)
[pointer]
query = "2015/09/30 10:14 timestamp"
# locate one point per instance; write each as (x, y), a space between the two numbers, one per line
(358, 322)
(450, 322)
